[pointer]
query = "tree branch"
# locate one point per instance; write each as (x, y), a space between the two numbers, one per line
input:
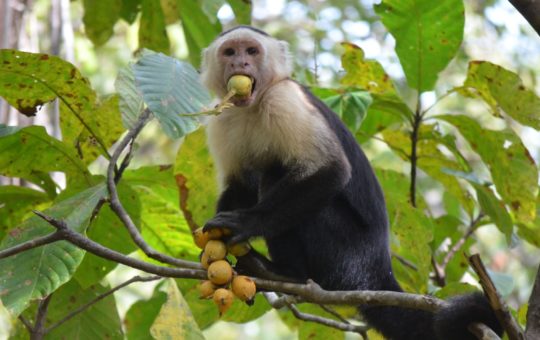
(196, 272)
(118, 208)
(530, 9)
(19, 248)
(99, 298)
(506, 319)
(532, 331)
(38, 332)
(310, 292)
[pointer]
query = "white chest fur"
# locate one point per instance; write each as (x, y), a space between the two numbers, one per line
(284, 126)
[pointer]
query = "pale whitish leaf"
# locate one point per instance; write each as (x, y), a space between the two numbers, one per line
(171, 88)
(131, 102)
(503, 282)
(36, 273)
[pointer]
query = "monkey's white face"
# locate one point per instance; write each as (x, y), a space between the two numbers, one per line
(242, 56)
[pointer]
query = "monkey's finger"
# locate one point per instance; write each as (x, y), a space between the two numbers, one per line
(237, 238)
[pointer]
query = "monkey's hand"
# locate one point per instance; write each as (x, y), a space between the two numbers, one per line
(241, 224)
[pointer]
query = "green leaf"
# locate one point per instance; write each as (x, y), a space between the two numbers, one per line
(175, 320)
(242, 11)
(153, 31)
(106, 119)
(454, 289)
(366, 74)
(512, 168)
(196, 179)
(36, 273)
(170, 88)
(198, 29)
(99, 19)
(349, 104)
(502, 90)
(163, 225)
(15, 205)
(412, 231)
(385, 111)
(107, 230)
(29, 80)
(170, 11)
(130, 9)
(99, 321)
(430, 158)
(311, 330)
(30, 150)
(496, 210)
(141, 316)
(211, 9)
(428, 34)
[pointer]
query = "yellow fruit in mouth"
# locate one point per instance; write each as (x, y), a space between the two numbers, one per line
(240, 84)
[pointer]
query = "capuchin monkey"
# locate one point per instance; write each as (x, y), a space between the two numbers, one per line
(293, 174)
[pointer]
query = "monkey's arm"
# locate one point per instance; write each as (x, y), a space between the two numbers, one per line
(284, 205)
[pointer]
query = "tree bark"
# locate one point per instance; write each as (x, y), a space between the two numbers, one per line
(530, 9)
(532, 331)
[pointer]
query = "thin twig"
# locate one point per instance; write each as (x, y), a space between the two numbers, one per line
(500, 308)
(482, 331)
(53, 237)
(118, 208)
(334, 313)
(99, 298)
(327, 322)
(26, 324)
(39, 327)
(457, 246)
(417, 121)
(404, 261)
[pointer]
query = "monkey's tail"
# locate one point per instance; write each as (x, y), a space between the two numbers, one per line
(449, 323)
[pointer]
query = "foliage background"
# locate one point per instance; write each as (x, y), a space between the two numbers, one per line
(494, 32)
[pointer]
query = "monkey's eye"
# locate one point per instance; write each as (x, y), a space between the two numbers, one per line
(228, 52)
(252, 50)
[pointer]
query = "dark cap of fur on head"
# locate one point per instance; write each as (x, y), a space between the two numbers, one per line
(246, 27)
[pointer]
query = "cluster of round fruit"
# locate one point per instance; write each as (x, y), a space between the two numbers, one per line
(223, 283)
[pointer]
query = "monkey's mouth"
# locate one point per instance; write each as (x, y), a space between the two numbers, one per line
(246, 99)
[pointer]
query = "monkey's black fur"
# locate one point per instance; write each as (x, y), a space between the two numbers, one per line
(333, 229)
